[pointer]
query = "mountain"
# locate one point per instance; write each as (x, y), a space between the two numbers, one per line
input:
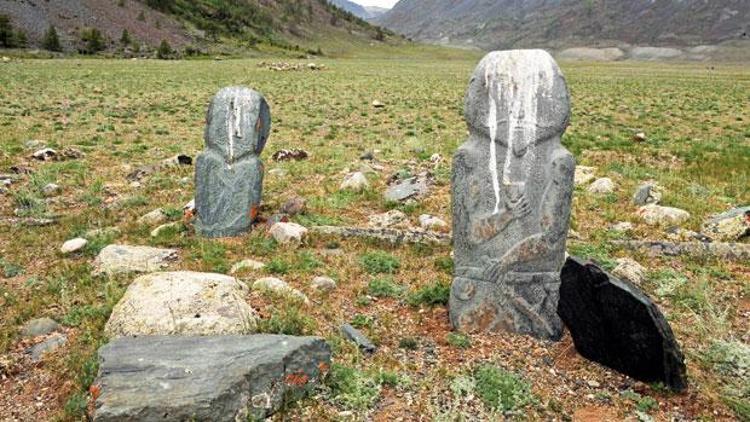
(193, 25)
(364, 12)
(495, 24)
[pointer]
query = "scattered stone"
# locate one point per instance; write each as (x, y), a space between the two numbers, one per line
(51, 189)
(367, 155)
(294, 206)
(21, 170)
(294, 154)
(584, 175)
(323, 284)
(217, 378)
(511, 217)
(630, 270)
(658, 215)
(356, 182)
(288, 232)
(430, 222)
(678, 234)
(639, 137)
(49, 345)
(391, 218)
(622, 227)
(176, 161)
(34, 144)
(44, 154)
(647, 193)
(182, 303)
(729, 226)
(27, 221)
(176, 225)
(613, 323)
(121, 259)
(412, 187)
(602, 186)
(157, 216)
(70, 153)
(279, 286)
(736, 252)
(247, 264)
(229, 172)
(593, 384)
(377, 104)
(188, 211)
(358, 338)
(393, 236)
(39, 327)
(73, 245)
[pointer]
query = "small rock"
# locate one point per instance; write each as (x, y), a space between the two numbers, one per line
(593, 384)
(294, 154)
(653, 214)
(367, 155)
(70, 153)
(277, 172)
(647, 193)
(602, 186)
(121, 259)
(436, 158)
(294, 206)
(44, 154)
(630, 270)
(188, 211)
(33, 144)
(622, 227)
(377, 104)
(51, 189)
(47, 346)
(288, 232)
(391, 218)
(157, 216)
(639, 137)
(323, 284)
(729, 226)
(584, 175)
(276, 285)
(355, 181)
(358, 338)
(39, 327)
(169, 226)
(428, 222)
(408, 188)
(73, 245)
(246, 264)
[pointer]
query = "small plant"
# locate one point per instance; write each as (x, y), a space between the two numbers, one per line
(287, 318)
(261, 245)
(307, 262)
(212, 255)
(379, 262)
(352, 388)
(165, 51)
(384, 287)
(646, 404)
(408, 343)
(10, 269)
(433, 294)
(500, 389)
(459, 340)
(51, 41)
(363, 300)
(361, 321)
(278, 266)
(445, 264)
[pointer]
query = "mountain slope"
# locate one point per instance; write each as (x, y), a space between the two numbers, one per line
(558, 23)
(358, 10)
(198, 24)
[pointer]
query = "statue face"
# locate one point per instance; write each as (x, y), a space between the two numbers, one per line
(237, 123)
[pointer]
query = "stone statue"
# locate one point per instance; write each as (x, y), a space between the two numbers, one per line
(229, 173)
(512, 188)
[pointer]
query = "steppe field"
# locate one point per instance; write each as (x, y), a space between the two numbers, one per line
(126, 113)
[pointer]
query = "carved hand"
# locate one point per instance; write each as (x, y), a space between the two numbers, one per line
(519, 208)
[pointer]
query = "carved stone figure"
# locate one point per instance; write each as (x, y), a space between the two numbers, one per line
(229, 172)
(512, 187)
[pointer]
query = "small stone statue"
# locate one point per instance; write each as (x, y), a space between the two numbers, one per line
(229, 173)
(512, 188)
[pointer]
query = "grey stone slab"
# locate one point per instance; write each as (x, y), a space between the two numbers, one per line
(39, 327)
(211, 378)
(512, 187)
(122, 259)
(229, 172)
(358, 338)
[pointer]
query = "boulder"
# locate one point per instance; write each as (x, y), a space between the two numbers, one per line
(278, 286)
(246, 264)
(729, 226)
(356, 182)
(323, 284)
(602, 186)
(121, 259)
(647, 193)
(39, 327)
(430, 222)
(73, 245)
(209, 378)
(584, 175)
(153, 218)
(630, 270)
(655, 215)
(182, 303)
(615, 324)
(288, 232)
(391, 218)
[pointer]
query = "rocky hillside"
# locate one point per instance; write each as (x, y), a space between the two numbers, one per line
(363, 12)
(191, 24)
(567, 23)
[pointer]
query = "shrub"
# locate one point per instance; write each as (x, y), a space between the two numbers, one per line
(93, 41)
(501, 390)
(165, 51)
(379, 262)
(352, 388)
(433, 294)
(51, 41)
(125, 38)
(384, 287)
(458, 340)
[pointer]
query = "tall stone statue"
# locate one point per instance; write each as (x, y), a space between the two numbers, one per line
(229, 173)
(512, 187)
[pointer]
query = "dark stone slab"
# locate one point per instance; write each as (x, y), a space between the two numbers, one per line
(613, 323)
(358, 338)
(211, 378)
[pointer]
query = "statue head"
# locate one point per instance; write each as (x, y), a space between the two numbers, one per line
(238, 122)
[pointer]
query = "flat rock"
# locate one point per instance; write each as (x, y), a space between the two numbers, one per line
(294, 206)
(613, 323)
(216, 378)
(602, 186)
(49, 345)
(658, 215)
(429, 222)
(182, 303)
(408, 188)
(73, 245)
(279, 286)
(622, 227)
(153, 218)
(584, 175)
(165, 227)
(288, 232)
(358, 338)
(39, 327)
(356, 182)
(51, 189)
(729, 226)
(121, 259)
(392, 218)
(247, 264)
(647, 193)
(630, 270)
(323, 284)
